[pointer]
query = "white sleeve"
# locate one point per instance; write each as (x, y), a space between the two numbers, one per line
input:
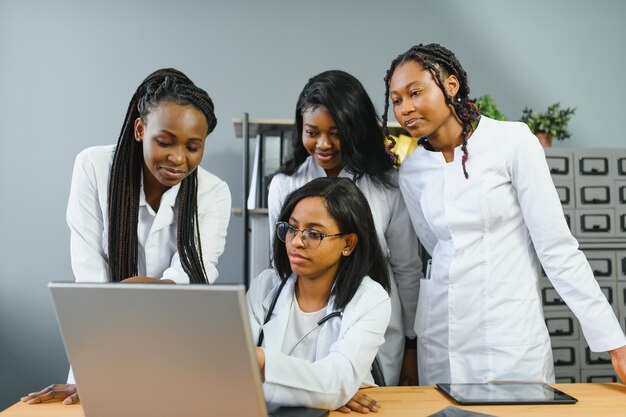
(259, 287)
(177, 273)
(275, 199)
(565, 265)
(426, 237)
(405, 261)
(331, 381)
(214, 205)
(85, 220)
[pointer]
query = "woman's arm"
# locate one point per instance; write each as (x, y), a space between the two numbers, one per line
(85, 217)
(214, 219)
(405, 262)
(564, 264)
(406, 266)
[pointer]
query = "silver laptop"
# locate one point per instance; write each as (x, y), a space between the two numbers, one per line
(146, 350)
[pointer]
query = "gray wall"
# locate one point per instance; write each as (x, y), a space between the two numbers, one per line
(68, 69)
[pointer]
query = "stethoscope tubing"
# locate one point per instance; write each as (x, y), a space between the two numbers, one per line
(270, 311)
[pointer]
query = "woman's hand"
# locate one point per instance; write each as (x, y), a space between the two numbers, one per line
(618, 359)
(55, 392)
(360, 403)
(147, 280)
(408, 372)
(260, 358)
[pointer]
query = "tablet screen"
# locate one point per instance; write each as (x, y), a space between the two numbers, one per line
(506, 393)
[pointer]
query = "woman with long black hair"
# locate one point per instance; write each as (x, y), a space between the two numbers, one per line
(338, 135)
(144, 210)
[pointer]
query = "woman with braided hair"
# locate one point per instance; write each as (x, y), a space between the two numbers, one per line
(144, 210)
(483, 204)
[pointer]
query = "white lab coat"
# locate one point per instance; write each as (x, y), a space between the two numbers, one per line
(479, 315)
(87, 217)
(346, 346)
(398, 243)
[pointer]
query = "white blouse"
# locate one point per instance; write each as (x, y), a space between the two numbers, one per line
(87, 217)
(479, 315)
(302, 332)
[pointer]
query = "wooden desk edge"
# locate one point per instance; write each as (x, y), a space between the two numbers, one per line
(597, 399)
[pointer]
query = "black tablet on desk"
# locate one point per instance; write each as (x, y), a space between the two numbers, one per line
(506, 393)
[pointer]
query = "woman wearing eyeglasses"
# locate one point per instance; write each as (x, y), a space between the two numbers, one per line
(320, 316)
(338, 135)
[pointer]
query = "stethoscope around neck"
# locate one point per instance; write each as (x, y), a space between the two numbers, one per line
(268, 316)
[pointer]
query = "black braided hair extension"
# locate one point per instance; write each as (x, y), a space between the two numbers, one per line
(438, 59)
(164, 85)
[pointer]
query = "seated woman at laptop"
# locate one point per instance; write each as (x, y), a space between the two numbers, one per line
(144, 210)
(320, 316)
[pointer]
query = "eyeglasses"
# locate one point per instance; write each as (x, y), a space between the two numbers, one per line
(310, 237)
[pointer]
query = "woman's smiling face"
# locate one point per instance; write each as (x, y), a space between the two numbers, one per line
(320, 137)
(172, 137)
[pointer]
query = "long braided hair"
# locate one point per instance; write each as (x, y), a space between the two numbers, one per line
(164, 85)
(438, 60)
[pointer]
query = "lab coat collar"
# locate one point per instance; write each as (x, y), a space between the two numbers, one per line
(473, 143)
(165, 216)
(329, 331)
(318, 171)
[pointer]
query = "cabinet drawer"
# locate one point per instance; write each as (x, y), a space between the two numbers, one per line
(620, 222)
(620, 260)
(595, 223)
(593, 163)
(562, 325)
(598, 375)
(560, 163)
(566, 192)
(595, 193)
(566, 374)
(591, 359)
(602, 263)
(565, 354)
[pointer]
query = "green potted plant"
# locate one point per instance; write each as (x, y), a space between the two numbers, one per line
(486, 106)
(549, 125)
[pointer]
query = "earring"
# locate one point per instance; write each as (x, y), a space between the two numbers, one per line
(345, 253)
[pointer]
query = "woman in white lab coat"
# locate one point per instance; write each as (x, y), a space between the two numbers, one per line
(144, 210)
(338, 135)
(320, 316)
(483, 204)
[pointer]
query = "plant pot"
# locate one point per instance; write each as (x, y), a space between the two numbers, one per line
(545, 139)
